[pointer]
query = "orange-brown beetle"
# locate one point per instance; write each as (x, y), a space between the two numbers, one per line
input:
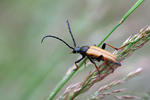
(93, 53)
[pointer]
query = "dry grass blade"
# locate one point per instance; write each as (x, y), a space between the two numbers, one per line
(101, 91)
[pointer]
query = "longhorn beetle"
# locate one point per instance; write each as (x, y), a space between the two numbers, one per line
(93, 53)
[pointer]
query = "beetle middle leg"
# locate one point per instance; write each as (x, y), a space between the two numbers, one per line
(94, 64)
(78, 62)
(100, 58)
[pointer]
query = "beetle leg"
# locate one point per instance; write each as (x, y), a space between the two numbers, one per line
(104, 45)
(100, 58)
(105, 61)
(123, 46)
(94, 64)
(78, 62)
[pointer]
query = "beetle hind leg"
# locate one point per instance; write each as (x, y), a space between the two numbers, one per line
(104, 45)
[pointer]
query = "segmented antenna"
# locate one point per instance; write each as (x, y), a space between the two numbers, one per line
(71, 33)
(56, 38)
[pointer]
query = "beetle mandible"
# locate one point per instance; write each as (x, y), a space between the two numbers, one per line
(93, 53)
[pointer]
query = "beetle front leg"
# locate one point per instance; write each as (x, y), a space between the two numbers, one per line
(78, 62)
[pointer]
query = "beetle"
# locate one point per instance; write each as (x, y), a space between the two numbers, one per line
(93, 53)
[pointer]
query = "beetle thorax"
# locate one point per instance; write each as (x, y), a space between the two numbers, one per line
(83, 50)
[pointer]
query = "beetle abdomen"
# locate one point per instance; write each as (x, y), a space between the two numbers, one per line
(95, 52)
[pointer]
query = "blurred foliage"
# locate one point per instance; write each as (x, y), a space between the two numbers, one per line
(29, 70)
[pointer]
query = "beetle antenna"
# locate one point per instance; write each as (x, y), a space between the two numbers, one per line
(71, 33)
(58, 39)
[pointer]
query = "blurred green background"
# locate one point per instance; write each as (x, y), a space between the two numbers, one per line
(30, 70)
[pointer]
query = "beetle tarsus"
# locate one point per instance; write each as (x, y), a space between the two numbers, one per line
(76, 67)
(78, 62)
